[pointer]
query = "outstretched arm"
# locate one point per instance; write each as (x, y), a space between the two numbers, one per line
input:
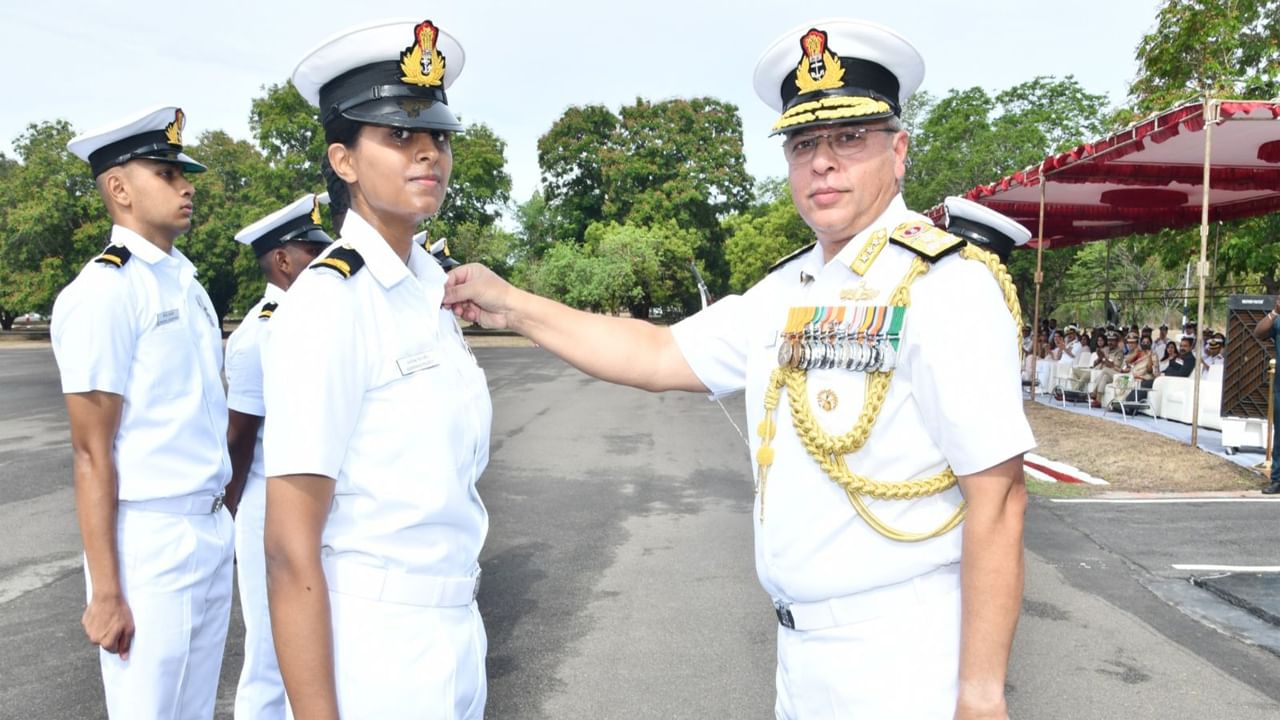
(618, 350)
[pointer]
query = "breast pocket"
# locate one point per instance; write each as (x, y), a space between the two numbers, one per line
(165, 365)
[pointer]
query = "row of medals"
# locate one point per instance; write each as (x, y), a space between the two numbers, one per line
(827, 342)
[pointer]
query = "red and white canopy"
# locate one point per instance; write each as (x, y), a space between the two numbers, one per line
(1149, 177)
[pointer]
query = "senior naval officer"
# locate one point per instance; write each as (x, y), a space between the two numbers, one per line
(890, 492)
(139, 349)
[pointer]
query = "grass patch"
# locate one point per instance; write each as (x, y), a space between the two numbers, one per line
(1062, 490)
(1132, 459)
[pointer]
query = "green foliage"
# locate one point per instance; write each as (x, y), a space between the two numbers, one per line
(51, 222)
(288, 131)
(968, 137)
(1129, 275)
(570, 157)
(483, 243)
(479, 187)
(1208, 48)
(759, 237)
(229, 196)
(620, 267)
(676, 160)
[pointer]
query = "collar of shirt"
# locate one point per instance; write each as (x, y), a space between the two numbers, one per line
(273, 293)
(892, 215)
(146, 251)
(387, 267)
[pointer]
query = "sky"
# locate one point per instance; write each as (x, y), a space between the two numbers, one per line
(95, 61)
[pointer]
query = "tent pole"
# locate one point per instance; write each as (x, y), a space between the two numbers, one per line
(1202, 270)
(1039, 278)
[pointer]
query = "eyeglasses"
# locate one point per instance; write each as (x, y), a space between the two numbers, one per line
(845, 142)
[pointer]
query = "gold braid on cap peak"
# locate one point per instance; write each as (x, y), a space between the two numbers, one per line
(835, 107)
(829, 451)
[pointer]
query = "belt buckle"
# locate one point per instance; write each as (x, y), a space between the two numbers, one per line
(218, 501)
(785, 618)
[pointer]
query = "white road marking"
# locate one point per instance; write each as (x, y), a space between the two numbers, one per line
(1166, 501)
(1231, 568)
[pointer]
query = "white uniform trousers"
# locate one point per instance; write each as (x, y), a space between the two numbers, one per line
(175, 571)
(260, 693)
(902, 665)
(404, 662)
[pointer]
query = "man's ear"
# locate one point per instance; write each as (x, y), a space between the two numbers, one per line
(115, 187)
(341, 160)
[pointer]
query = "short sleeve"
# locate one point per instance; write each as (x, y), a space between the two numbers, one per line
(244, 369)
(964, 367)
(314, 379)
(94, 332)
(715, 341)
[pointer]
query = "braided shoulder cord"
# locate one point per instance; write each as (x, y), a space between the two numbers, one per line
(830, 451)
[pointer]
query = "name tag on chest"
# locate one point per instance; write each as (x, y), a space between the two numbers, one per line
(418, 362)
(166, 317)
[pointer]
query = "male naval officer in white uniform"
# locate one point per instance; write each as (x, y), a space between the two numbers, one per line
(890, 491)
(139, 349)
(284, 242)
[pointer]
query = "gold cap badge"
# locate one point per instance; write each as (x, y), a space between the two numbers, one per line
(173, 131)
(421, 63)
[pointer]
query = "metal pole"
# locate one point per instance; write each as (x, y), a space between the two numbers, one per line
(1202, 270)
(1271, 412)
(1035, 319)
(1106, 285)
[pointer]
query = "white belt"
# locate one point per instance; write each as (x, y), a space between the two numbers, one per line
(197, 504)
(349, 577)
(868, 604)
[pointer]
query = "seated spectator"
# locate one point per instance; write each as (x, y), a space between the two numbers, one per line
(1109, 362)
(1213, 353)
(1185, 363)
(1145, 368)
(1027, 339)
(1167, 355)
(1162, 342)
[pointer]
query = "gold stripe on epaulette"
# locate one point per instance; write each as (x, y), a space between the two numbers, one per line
(339, 265)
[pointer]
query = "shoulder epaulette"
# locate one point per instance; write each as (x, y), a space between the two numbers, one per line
(791, 257)
(116, 255)
(344, 259)
(926, 240)
(267, 310)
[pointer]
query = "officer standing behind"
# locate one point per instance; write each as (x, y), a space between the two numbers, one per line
(984, 227)
(140, 353)
(890, 493)
(285, 242)
(377, 423)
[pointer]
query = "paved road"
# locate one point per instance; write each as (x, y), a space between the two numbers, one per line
(619, 580)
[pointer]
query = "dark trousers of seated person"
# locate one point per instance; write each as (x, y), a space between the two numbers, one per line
(1135, 396)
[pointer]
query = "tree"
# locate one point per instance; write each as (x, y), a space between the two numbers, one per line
(1208, 48)
(479, 186)
(288, 132)
(570, 157)
(969, 137)
(229, 196)
(620, 266)
(51, 223)
(1218, 49)
(762, 235)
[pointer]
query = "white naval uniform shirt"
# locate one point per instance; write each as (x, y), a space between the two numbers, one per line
(147, 331)
(954, 400)
(244, 372)
(368, 381)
